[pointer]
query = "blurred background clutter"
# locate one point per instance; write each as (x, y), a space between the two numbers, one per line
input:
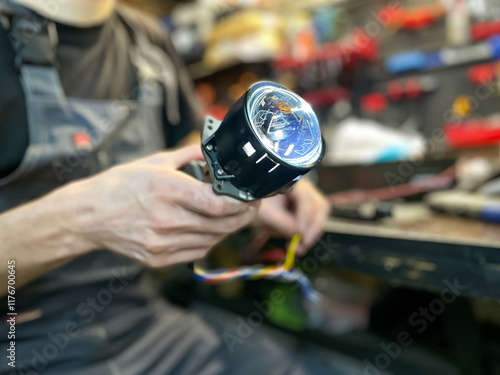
(407, 94)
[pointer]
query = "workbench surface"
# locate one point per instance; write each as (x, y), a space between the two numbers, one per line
(420, 249)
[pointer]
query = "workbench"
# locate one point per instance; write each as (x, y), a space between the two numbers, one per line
(421, 249)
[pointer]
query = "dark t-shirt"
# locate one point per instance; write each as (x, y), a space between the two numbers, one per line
(94, 64)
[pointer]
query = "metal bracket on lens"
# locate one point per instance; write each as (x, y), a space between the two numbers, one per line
(221, 180)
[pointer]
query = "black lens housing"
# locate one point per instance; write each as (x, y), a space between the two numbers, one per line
(255, 174)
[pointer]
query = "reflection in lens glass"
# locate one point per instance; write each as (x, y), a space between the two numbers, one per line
(285, 124)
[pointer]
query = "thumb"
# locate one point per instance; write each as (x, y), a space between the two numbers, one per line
(185, 155)
(177, 158)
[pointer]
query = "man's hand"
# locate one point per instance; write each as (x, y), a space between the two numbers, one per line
(147, 209)
(304, 210)
(151, 211)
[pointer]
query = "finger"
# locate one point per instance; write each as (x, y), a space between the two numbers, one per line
(323, 210)
(176, 210)
(308, 200)
(183, 156)
(315, 229)
(198, 197)
(227, 224)
(302, 249)
(185, 256)
(178, 158)
(278, 218)
(171, 242)
(304, 215)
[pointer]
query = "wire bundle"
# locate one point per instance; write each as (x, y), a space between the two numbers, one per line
(284, 272)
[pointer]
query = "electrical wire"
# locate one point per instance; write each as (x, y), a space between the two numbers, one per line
(284, 272)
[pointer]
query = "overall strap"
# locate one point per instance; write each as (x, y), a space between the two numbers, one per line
(34, 40)
(152, 61)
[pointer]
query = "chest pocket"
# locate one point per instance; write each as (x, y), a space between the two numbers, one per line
(77, 137)
(135, 129)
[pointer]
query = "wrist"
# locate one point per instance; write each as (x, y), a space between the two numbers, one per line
(69, 210)
(33, 229)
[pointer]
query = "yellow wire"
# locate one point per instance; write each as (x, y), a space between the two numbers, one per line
(264, 271)
(199, 271)
(292, 249)
(288, 264)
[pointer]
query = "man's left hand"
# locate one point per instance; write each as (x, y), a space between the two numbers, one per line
(304, 209)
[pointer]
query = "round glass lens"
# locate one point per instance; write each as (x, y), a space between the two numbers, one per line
(285, 124)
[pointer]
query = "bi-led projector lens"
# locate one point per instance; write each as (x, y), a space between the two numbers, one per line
(285, 125)
(267, 141)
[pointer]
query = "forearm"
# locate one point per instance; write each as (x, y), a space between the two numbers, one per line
(39, 238)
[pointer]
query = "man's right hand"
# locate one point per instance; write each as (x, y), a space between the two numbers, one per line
(150, 210)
